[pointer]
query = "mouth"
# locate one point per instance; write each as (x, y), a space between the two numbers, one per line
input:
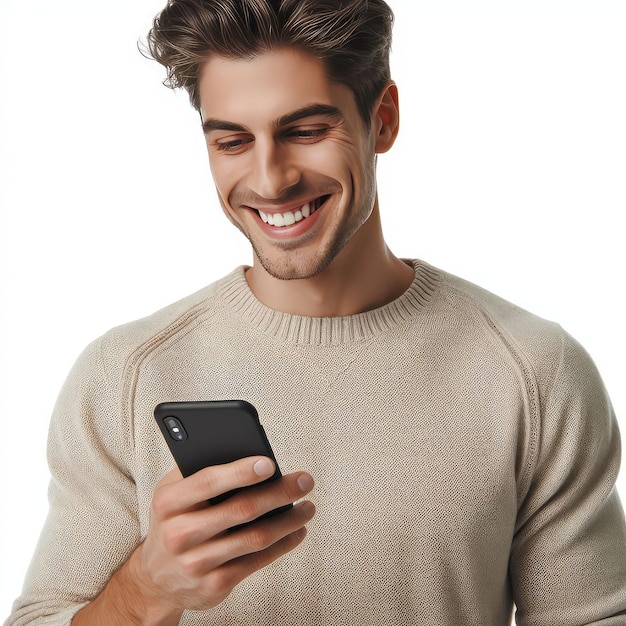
(289, 218)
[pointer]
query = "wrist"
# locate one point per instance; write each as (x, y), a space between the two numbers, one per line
(129, 599)
(145, 604)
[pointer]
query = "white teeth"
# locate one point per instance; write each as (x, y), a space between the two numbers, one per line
(288, 218)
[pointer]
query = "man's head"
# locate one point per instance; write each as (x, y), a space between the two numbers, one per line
(296, 102)
(351, 37)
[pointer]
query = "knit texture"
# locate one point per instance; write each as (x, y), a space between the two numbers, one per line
(464, 451)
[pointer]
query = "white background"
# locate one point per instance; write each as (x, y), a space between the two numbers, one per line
(509, 171)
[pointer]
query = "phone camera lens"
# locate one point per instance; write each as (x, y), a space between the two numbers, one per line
(175, 428)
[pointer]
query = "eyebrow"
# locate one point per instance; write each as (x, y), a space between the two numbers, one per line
(312, 110)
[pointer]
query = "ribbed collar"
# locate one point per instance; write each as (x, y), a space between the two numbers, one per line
(298, 329)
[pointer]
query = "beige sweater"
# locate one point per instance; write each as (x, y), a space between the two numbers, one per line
(464, 452)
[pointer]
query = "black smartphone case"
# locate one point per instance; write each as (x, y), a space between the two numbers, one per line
(214, 432)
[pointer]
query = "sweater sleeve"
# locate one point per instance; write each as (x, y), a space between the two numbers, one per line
(568, 558)
(92, 526)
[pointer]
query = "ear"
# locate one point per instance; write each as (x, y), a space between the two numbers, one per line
(386, 118)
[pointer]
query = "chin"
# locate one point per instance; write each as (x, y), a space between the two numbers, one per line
(295, 266)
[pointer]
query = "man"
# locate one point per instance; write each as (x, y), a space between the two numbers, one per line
(464, 451)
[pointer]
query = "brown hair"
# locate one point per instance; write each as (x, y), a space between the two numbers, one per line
(351, 37)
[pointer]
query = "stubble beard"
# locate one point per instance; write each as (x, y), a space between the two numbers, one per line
(294, 263)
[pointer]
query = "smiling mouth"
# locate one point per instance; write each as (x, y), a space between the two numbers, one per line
(288, 218)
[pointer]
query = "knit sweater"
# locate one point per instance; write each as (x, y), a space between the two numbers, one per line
(464, 451)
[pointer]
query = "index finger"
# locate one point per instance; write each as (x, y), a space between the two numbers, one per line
(183, 494)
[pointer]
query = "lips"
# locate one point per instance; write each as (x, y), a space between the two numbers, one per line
(289, 218)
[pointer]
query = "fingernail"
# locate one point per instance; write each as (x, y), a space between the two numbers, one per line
(263, 467)
(305, 482)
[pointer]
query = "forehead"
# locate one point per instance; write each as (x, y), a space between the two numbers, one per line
(249, 91)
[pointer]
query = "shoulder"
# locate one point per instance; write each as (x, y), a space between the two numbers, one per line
(550, 359)
(123, 347)
(526, 336)
(551, 363)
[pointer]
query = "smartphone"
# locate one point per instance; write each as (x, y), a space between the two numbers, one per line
(214, 432)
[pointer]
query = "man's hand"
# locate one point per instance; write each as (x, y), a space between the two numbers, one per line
(188, 557)
(188, 560)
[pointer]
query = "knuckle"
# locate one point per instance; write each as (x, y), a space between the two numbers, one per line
(208, 479)
(243, 509)
(221, 583)
(288, 491)
(191, 567)
(258, 560)
(173, 541)
(292, 540)
(288, 543)
(257, 539)
(160, 505)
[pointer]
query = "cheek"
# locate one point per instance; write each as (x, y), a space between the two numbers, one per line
(334, 160)
(361, 165)
(226, 212)
(225, 176)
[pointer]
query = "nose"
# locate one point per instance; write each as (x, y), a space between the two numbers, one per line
(273, 171)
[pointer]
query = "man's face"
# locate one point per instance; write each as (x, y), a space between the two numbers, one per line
(290, 156)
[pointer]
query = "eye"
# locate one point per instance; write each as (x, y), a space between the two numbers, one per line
(307, 135)
(236, 144)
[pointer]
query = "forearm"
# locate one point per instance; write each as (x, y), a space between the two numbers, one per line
(126, 601)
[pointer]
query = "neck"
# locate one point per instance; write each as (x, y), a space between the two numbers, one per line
(365, 275)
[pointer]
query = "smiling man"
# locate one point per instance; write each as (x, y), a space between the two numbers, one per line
(464, 451)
